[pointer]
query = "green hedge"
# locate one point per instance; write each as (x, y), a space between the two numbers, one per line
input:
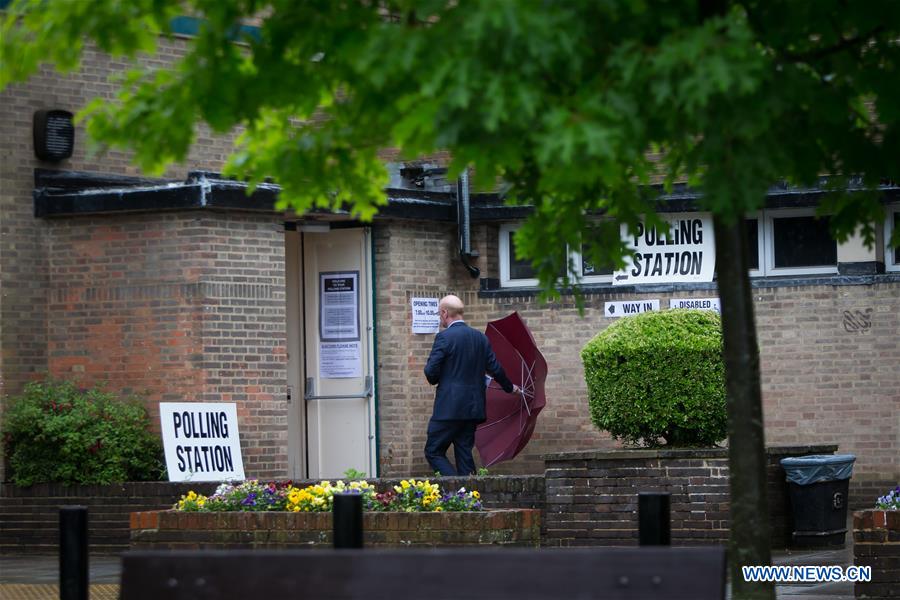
(659, 376)
(56, 432)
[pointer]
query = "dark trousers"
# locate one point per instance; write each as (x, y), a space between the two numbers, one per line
(443, 433)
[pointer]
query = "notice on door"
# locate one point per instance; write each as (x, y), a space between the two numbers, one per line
(201, 441)
(683, 253)
(425, 317)
(340, 360)
(339, 306)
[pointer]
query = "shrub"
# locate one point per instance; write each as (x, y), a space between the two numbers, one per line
(56, 432)
(659, 375)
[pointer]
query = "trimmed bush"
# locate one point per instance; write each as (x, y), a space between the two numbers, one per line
(56, 432)
(659, 375)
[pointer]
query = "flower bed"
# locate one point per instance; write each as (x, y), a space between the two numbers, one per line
(876, 544)
(408, 496)
(280, 515)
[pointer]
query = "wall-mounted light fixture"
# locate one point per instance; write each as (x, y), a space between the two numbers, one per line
(54, 135)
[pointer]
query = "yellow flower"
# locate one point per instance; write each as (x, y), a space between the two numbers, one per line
(405, 484)
(439, 509)
(475, 494)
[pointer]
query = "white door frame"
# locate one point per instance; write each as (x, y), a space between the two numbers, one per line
(332, 402)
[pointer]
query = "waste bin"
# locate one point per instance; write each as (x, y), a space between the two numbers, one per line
(818, 487)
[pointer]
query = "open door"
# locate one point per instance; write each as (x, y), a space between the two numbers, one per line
(339, 390)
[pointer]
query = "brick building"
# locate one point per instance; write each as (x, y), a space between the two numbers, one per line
(188, 290)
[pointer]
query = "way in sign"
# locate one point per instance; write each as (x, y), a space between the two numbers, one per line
(624, 309)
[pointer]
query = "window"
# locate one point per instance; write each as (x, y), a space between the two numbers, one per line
(891, 224)
(519, 273)
(796, 242)
(591, 273)
(790, 241)
(754, 228)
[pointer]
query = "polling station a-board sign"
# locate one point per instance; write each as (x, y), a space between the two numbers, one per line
(201, 441)
(684, 252)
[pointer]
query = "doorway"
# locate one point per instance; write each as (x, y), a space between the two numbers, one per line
(330, 327)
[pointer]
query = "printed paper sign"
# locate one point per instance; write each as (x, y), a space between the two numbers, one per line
(684, 253)
(339, 306)
(425, 317)
(201, 441)
(696, 303)
(625, 309)
(340, 360)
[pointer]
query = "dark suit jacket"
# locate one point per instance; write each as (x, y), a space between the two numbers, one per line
(459, 359)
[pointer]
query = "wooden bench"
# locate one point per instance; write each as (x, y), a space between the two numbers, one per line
(458, 573)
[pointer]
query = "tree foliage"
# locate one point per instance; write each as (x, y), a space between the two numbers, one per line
(577, 105)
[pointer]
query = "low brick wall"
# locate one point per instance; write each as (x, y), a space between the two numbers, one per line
(29, 517)
(592, 496)
(280, 530)
(876, 544)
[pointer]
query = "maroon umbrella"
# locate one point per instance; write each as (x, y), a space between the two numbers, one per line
(511, 417)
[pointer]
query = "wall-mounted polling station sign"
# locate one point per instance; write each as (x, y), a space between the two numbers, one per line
(684, 253)
(201, 441)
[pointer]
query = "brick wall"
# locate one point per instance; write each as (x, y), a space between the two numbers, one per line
(29, 517)
(173, 530)
(177, 307)
(821, 382)
(876, 544)
(592, 497)
(24, 240)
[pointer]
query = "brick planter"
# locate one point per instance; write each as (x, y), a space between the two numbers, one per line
(876, 544)
(29, 517)
(168, 529)
(592, 496)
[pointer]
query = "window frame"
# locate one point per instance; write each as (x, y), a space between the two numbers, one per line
(769, 245)
(760, 244)
(505, 281)
(576, 257)
(890, 264)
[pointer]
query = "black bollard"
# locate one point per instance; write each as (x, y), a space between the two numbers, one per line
(654, 524)
(73, 553)
(348, 523)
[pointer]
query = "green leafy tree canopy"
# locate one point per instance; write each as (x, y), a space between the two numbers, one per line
(577, 105)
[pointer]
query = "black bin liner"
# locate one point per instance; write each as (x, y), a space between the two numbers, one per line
(818, 486)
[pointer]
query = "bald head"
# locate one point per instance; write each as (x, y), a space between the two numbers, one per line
(450, 309)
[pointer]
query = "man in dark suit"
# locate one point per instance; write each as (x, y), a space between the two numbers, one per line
(459, 359)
